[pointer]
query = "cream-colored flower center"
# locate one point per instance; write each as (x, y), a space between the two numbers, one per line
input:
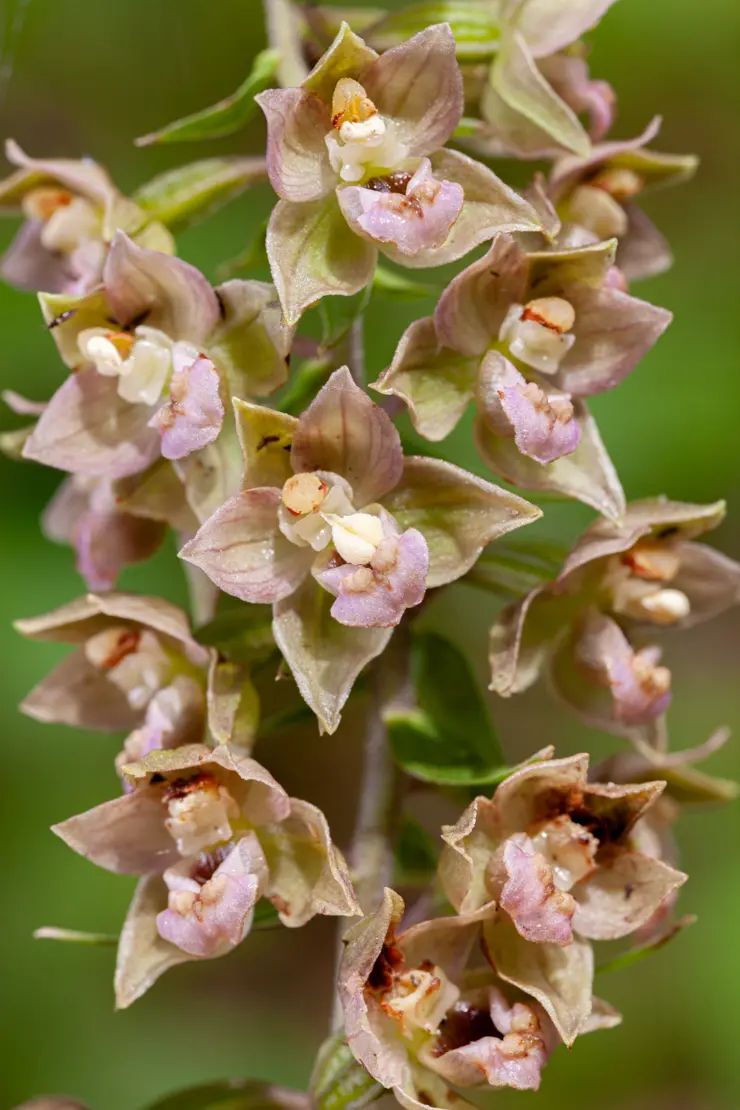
(539, 333)
(68, 220)
(142, 360)
(361, 139)
(569, 848)
(597, 211)
(356, 536)
(200, 812)
(419, 999)
(133, 660)
(304, 493)
(643, 593)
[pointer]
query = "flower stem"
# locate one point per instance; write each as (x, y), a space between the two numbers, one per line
(357, 352)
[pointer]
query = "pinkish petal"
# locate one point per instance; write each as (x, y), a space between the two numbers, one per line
(106, 543)
(541, 421)
(490, 207)
(418, 220)
(242, 550)
(613, 333)
(193, 416)
(644, 251)
(77, 693)
(297, 159)
(175, 716)
(346, 433)
(126, 835)
(88, 429)
(457, 513)
(436, 382)
(569, 76)
(377, 596)
(539, 911)
(419, 86)
(170, 293)
(710, 580)
(587, 474)
(347, 56)
(28, 264)
(473, 307)
(79, 175)
(209, 919)
(626, 891)
(314, 254)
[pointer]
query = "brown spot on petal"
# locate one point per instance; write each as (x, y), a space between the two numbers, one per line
(208, 863)
(126, 644)
(388, 963)
(181, 787)
(463, 1025)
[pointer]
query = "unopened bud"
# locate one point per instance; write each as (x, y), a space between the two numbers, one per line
(598, 212)
(304, 493)
(356, 536)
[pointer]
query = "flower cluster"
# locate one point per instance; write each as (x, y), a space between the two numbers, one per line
(314, 529)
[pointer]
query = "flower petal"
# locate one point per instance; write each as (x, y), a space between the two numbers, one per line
(518, 800)
(324, 656)
(473, 307)
(644, 251)
(550, 25)
(313, 254)
(251, 346)
(297, 159)
(265, 437)
(194, 413)
(126, 835)
(540, 912)
(540, 419)
(390, 591)
(344, 432)
(307, 874)
(143, 955)
(623, 894)
(490, 207)
(710, 580)
(419, 85)
(559, 978)
(348, 56)
(172, 294)
(588, 474)
(78, 694)
(457, 513)
(241, 549)
(28, 264)
(88, 429)
(436, 382)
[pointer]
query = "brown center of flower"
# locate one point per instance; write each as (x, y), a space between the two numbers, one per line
(464, 1024)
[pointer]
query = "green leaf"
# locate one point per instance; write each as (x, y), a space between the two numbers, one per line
(513, 569)
(183, 196)
(389, 283)
(232, 1094)
(338, 314)
(74, 936)
(242, 633)
(449, 738)
(253, 257)
(627, 959)
(227, 116)
(416, 854)
(476, 32)
(338, 1081)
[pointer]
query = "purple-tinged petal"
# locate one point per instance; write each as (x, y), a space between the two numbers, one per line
(436, 382)
(313, 254)
(522, 798)
(541, 421)
(588, 474)
(623, 895)
(209, 919)
(473, 307)
(558, 977)
(550, 25)
(419, 86)
(613, 332)
(378, 595)
(175, 716)
(88, 429)
(541, 913)
(418, 220)
(345, 432)
(78, 175)
(107, 542)
(490, 207)
(172, 295)
(194, 413)
(143, 955)
(324, 656)
(28, 264)
(516, 79)
(126, 835)
(297, 159)
(241, 549)
(569, 76)
(457, 513)
(710, 580)
(521, 638)
(77, 693)
(643, 250)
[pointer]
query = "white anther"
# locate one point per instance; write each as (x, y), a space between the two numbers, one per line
(364, 131)
(666, 606)
(356, 536)
(71, 225)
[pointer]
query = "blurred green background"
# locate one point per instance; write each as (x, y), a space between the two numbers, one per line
(81, 76)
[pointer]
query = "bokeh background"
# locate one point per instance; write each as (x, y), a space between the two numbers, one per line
(80, 76)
